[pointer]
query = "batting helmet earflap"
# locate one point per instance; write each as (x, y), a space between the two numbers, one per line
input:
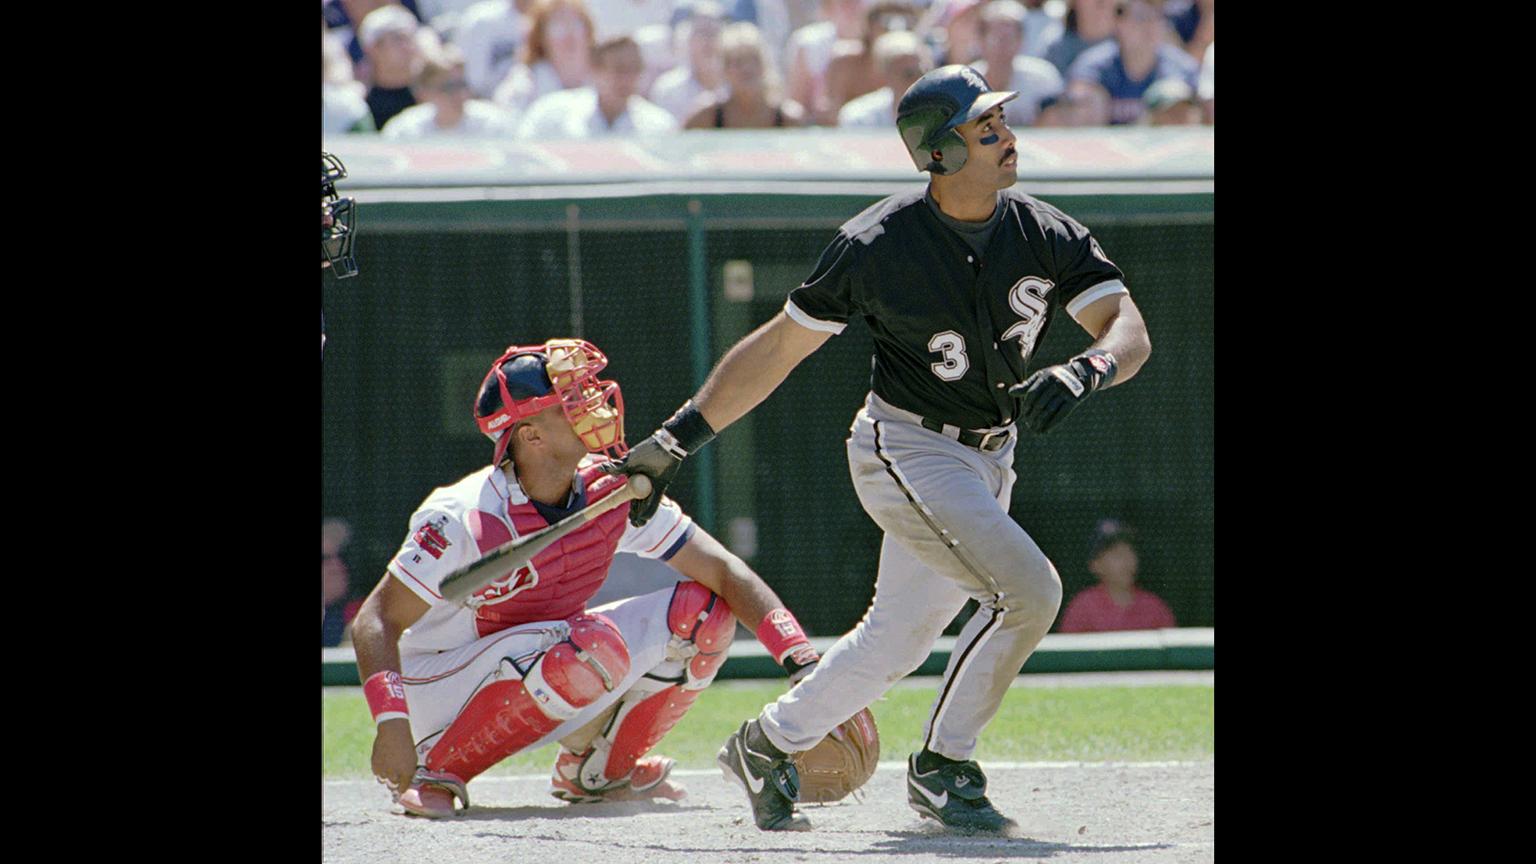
(529, 379)
(934, 105)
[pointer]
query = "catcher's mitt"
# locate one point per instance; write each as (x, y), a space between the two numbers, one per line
(841, 763)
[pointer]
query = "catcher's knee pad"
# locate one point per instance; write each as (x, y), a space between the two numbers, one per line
(508, 715)
(702, 629)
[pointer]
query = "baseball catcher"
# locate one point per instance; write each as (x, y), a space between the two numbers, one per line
(455, 687)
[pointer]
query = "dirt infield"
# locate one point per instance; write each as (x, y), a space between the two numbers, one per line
(1068, 812)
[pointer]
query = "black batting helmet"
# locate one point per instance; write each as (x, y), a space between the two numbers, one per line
(932, 107)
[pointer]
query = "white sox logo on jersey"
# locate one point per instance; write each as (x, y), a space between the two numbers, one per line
(1027, 298)
(507, 587)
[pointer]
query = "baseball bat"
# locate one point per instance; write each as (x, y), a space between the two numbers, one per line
(508, 557)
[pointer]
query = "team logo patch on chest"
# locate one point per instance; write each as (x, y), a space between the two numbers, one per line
(508, 586)
(429, 537)
(1027, 298)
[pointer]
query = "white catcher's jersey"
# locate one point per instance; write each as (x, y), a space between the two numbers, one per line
(457, 524)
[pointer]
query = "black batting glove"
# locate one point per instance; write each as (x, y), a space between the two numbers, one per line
(1049, 395)
(661, 456)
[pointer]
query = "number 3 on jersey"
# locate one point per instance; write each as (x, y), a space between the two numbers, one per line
(952, 346)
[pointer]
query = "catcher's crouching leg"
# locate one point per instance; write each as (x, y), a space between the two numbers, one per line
(507, 715)
(609, 766)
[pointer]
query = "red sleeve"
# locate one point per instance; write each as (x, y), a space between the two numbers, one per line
(1164, 614)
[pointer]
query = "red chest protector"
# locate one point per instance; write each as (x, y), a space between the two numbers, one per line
(560, 580)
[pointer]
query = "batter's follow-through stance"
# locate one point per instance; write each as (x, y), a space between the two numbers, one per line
(957, 284)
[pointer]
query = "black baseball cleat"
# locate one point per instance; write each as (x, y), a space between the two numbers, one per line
(955, 795)
(771, 782)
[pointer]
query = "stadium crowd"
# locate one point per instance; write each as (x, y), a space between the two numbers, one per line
(539, 69)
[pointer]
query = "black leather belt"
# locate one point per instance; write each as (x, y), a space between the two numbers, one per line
(990, 441)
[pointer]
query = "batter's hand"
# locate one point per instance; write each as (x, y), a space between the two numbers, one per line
(1049, 395)
(394, 755)
(652, 459)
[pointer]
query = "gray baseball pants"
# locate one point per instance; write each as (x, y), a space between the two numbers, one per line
(944, 509)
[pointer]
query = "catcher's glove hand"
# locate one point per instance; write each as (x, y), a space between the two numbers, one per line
(841, 763)
(1049, 395)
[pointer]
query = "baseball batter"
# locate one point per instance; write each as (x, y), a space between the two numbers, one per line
(957, 283)
(457, 687)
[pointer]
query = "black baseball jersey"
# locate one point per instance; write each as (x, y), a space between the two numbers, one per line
(953, 331)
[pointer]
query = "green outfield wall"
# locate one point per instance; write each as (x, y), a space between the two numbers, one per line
(665, 253)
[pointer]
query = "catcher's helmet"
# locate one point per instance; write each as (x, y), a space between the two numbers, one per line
(934, 105)
(336, 238)
(528, 379)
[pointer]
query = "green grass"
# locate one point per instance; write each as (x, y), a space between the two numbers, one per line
(1090, 724)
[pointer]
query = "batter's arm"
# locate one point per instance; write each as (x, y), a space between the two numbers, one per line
(376, 630)
(754, 368)
(704, 560)
(744, 377)
(1117, 327)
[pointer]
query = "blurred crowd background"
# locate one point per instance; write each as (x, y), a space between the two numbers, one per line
(536, 69)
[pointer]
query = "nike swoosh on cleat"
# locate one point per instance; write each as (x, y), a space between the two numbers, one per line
(939, 802)
(757, 786)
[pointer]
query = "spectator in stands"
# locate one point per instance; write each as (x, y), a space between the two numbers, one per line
(445, 16)
(1083, 103)
(852, 71)
(902, 59)
(611, 106)
(1138, 56)
(699, 80)
(1033, 78)
(771, 17)
(1171, 102)
(810, 50)
(1088, 23)
(388, 37)
(558, 55)
(444, 107)
(343, 107)
(955, 25)
(1193, 22)
(337, 605)
(615, 18)
(648, 22)
(490, 33)
(755, 95)
(1206, 88)
(1043, 24)
(342, 18)
(1115, 603)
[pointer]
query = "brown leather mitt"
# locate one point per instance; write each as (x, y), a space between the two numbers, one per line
(841, 763)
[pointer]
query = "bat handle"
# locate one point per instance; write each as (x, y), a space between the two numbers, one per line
(640, 485)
